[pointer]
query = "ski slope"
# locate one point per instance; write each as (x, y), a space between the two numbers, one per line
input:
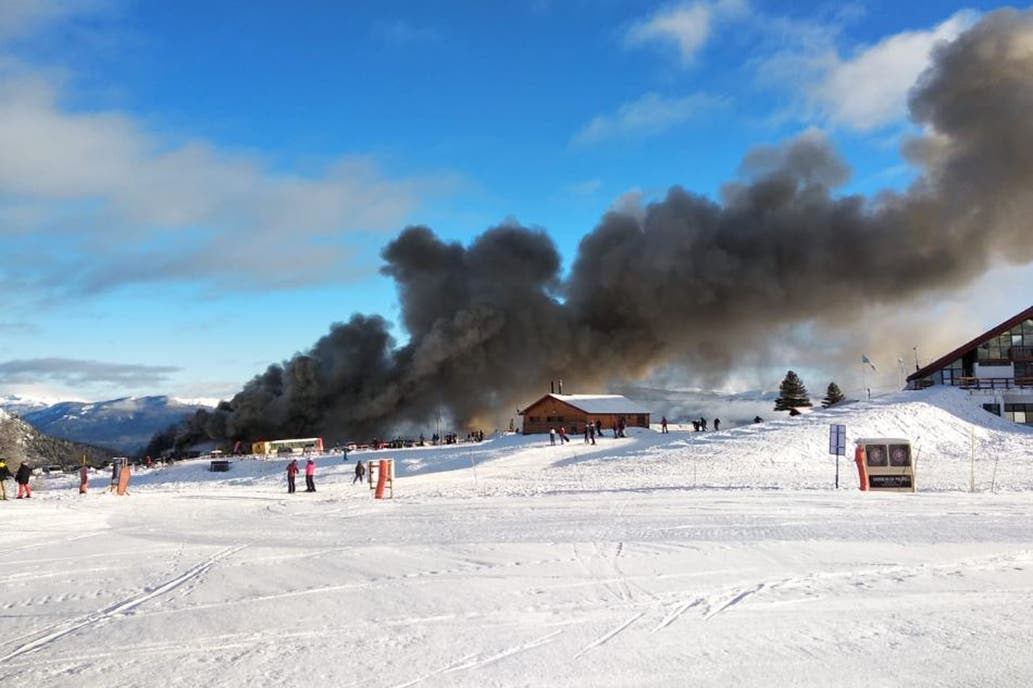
(717, 559)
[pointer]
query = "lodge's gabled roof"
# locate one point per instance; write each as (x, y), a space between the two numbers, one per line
(596, 403)
(966, 347)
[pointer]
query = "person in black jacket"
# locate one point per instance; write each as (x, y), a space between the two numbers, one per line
(22, 478)
(5, 473)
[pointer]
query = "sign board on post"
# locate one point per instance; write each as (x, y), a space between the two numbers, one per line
(837, 445)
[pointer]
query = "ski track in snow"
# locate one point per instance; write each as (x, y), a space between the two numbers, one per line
(58, 631)
(606, 638)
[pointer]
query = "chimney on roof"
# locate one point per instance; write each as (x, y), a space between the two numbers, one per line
(561, 386)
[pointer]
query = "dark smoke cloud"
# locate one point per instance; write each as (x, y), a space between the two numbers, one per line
(690, 280)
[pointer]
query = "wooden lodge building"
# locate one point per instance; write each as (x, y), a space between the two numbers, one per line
(575, 411)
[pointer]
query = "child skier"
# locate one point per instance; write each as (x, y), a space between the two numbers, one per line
(360, 472)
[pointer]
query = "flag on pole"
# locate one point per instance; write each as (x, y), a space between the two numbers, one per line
(865, 359)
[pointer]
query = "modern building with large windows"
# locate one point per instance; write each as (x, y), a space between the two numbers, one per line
(996, 367)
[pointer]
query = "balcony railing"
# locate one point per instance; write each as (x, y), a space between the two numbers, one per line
(994, 382)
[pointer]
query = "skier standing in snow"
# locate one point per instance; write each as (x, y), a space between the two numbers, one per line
(360, 472)
(552, 436)
(292, 470)
(663, 425)
(703, 424)
(22, 478)
(310, 476)
(5, 473)
(717, 424)
(591, 433)
(586, 433)
(563, 434)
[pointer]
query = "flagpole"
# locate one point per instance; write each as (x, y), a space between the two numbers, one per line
(864, 379)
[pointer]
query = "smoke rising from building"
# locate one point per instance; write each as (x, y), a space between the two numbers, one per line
(690, 280)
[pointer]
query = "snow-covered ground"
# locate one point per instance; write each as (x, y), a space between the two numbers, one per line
(717, 559)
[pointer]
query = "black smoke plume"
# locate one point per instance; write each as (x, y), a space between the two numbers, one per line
(690, 280)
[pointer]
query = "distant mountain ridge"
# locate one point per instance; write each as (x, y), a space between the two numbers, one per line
(126, 424)
(19, 442)
(19, 406)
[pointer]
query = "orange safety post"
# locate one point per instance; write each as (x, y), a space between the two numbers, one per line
(381, 479)
(123, 481)
(84, 477)
(862, 468)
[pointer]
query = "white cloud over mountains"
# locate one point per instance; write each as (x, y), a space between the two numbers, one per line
(78, 371)
(91, 199)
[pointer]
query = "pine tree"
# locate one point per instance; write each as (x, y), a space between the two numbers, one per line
(791, 393)
(833, 395)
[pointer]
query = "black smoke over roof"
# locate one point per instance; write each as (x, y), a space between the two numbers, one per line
(691, 280)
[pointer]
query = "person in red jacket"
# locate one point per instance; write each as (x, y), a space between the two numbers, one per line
(292, 470)
(310, 476)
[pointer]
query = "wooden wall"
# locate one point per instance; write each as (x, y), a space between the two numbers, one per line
(553, 413)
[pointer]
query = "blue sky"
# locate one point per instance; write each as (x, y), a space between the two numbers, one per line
(190, 191)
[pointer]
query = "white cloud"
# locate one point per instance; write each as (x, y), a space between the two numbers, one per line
(128, 204)
(649, 115)
(20, 17)
(867, 90)
(687, 26)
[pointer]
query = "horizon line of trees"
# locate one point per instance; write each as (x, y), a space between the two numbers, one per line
(792, 395)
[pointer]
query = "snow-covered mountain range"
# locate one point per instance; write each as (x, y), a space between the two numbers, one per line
(125, 424)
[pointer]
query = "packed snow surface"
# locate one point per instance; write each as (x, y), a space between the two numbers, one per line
(711, 559)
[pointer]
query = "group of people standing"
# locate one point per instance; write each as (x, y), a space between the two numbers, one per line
(310, 475)
(21, 476)
(592, 430)
(700, 425)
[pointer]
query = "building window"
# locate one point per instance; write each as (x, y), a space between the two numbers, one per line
(1019, 413)
(951, 373)
(995, 349)
(993, 408)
